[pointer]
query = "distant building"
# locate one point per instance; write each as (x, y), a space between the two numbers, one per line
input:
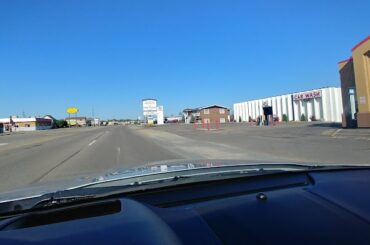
(15, 124)
(1, 128)
(355, 83)
(53, 120)
(191, 115)
(207, 114)
(76, 121)
(96, 122)
(113, 122)
(174, 119)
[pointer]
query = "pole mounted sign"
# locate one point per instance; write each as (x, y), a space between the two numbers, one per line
(149, 104)
(149, 110)
(72, 110)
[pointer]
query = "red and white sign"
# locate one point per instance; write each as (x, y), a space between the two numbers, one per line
(307, 95)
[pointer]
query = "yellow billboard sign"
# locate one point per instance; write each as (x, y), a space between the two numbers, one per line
(72, 110)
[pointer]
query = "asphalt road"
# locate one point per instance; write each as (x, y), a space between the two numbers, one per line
(32, 157)
(41, 156)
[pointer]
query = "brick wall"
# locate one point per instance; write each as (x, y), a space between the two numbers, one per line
(215, 115)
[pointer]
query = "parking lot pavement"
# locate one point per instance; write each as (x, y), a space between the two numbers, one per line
(358, 134)
(302, 143)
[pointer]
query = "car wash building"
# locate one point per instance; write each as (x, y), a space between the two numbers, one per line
(355, 83)
(324, 104)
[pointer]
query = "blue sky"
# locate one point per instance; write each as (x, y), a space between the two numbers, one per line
(108, 55)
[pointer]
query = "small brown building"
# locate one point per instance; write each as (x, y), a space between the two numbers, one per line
(355, 83)
(214, 114)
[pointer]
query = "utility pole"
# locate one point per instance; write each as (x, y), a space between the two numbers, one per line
(93, 117)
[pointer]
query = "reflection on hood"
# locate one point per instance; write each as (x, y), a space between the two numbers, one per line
(152, 168)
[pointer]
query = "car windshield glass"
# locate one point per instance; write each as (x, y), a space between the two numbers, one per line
(96, 92)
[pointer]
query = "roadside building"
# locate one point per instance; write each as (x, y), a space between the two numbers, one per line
(113, 122)
(324, 104)
(96, 122)
(15, 124)
(214, 114)
(207, 114)
(53, 120)
(191, 115)
(76, 121)
(173, 119)
(1, 128)
(355, 83)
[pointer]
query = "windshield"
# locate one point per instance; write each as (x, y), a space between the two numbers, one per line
(95, 90)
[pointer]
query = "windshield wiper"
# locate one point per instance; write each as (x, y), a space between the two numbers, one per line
(66, 197)
(56, 201)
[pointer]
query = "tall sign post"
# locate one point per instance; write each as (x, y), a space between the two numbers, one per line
(149, 110)
(71, 110)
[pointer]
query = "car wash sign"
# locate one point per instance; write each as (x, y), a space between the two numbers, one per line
(307, 95)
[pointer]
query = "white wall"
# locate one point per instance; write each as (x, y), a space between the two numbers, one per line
(328, 108)
(19, 129)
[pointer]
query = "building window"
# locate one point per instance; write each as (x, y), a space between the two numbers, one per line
(222, 120)
(222, 111)
(206, 111)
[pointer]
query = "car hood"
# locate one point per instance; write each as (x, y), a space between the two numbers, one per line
(75, 182)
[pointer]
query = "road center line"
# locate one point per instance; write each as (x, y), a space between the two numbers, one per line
(2, 144)
(118, 155)
(92, 142)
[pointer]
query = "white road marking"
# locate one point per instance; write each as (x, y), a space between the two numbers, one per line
(118, 155)
(2, 144)
(336, 131)
(92, 142)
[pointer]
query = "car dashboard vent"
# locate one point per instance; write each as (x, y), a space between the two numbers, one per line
(64, 214)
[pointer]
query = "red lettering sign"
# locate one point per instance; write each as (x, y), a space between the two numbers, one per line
(308, 95)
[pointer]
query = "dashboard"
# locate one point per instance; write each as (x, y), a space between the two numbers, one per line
(320, 207)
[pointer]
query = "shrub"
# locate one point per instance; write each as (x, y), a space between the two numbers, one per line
(61, 124)
(285, 118)
(303, 118)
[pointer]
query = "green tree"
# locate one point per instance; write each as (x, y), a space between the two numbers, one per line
(303, 118)
(240, 119)
(61, 124)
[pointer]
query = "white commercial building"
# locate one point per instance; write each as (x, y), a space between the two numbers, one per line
(324, 104)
